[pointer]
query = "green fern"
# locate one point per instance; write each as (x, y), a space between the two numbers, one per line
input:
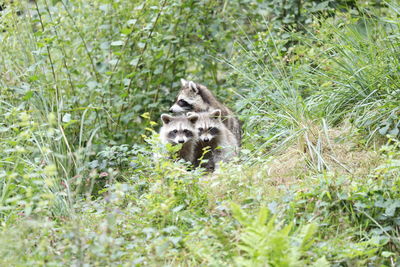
(264, 242)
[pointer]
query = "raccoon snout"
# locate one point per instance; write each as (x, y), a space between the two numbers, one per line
(181, 141)
(177, 109)
(206, 139)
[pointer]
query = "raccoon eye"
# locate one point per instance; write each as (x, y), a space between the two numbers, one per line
(213, 130)
(183, 103)
(188, 133)
(175, 131)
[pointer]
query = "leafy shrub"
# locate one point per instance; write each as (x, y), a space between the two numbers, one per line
(84, 81)
(263, 242)
(367, 203)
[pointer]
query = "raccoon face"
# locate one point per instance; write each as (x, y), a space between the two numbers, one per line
(179, 130)
(189, 98)
(208, 125)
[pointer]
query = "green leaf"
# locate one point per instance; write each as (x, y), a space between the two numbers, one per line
(387, 254)
(321, 262)
(391, 208)
(384, 130)
(238, 214)
(126, 31)
(28, 95)
(394, 131)
(66, 118)
(117, 43)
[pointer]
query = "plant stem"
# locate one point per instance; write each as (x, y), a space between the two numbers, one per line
(49, 55)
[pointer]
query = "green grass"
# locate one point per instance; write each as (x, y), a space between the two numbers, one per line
(82, 86)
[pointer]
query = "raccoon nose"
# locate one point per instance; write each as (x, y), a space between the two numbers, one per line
(206, 139)
(181, 141)
(170, 110)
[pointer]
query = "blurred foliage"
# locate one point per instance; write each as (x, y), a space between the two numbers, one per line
(107, 72)
(84, 180)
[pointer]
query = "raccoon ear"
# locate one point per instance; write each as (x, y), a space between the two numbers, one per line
(190, 114)
(166, 118)
(216, 114)
(184, 82)
(193, 117)
(194, 87)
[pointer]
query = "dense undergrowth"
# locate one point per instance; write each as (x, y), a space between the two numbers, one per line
(315, 83)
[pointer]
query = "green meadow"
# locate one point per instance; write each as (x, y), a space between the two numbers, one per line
(316, 85)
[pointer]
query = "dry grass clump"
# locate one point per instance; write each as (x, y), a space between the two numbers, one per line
(321, 149)
(318, 150)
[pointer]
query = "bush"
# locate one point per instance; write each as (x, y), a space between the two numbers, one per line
(85, 181)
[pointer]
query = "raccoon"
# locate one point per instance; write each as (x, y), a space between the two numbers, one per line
(198, 98)
(213, 133)
(180, 130)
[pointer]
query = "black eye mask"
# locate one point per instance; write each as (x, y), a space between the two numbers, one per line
(213, 131)
(172, 134)
(183, 104)
(188, 133)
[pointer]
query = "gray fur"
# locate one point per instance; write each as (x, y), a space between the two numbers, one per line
(201, 99)
(180, 124)
(213, 133)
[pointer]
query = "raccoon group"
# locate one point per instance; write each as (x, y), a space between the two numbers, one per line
(208, 131)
